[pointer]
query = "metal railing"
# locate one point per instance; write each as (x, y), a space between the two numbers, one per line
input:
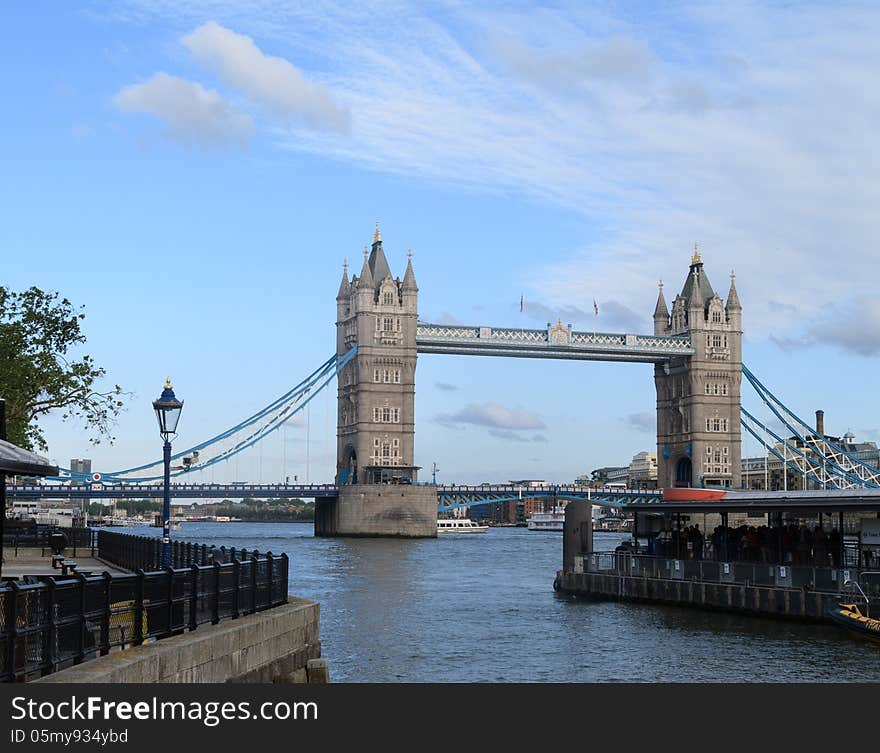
(145, 552)
(38, 535)
(54, 623)
(824, 579)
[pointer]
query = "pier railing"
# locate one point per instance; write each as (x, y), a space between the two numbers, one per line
(826, 579)
(53, 623)
(145, 552)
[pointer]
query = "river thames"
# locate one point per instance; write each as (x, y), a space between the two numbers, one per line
(481, 608)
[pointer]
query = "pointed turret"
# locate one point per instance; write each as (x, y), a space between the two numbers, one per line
(366, 278)
(344, 286)
(661, 313)
(733, 303)
(697, 290)
(660, 310)
(409, 279)
(378, 263)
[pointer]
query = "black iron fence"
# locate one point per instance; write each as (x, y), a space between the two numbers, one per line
(145, 552)
(39, 535)
(58, 622)
(827, 579)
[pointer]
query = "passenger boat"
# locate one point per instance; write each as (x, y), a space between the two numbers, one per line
(459, 525)
(547, 521)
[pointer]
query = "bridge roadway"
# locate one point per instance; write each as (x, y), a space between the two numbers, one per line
(449, 496)
(556, 341)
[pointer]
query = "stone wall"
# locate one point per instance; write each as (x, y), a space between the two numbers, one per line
(277, 645)
(379, 510)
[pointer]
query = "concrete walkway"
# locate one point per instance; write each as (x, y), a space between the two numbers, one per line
(32, 561)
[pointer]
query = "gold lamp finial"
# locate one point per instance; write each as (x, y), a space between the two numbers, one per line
(696, 258)
(377, 236)
(168, 383)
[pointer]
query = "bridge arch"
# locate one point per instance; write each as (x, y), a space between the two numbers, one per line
(684, 472)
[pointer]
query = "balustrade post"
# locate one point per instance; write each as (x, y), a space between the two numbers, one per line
(269, 562)
(138, 627)
(216, 616)
(254, 581)
(236, 575)
(80, 643)
(52, 632)
(194, 597)
(105, 617)
(285, 565)
(169, 572)
(12, 629)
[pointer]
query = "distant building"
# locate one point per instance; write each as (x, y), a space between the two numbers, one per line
(529, 483)
(613, 474)
(81, 465)
(643, 469)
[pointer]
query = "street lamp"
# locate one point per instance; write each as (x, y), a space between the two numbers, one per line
(168, 409)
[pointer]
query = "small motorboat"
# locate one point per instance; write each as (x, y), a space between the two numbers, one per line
(849, 616)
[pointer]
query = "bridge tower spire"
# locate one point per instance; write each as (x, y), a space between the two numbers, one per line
(698, 396)
(376, 408)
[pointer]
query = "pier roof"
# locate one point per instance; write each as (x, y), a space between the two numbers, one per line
(825, 500)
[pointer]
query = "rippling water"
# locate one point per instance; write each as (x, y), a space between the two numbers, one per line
(481, 608)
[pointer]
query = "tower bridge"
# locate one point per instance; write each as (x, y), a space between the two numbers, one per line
(696, 349)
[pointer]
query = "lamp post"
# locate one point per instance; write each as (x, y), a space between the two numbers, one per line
(168, 409)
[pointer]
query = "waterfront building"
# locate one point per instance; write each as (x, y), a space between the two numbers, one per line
(612, 474)
(643, 469)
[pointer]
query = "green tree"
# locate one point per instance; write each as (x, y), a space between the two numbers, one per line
(39, 374)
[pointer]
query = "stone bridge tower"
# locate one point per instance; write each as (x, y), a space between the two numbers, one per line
(698, 396)
(375, 468)
(376, 390)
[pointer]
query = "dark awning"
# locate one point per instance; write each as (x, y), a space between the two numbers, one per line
(16, 461)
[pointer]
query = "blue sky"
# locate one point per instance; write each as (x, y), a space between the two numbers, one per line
(195, 176)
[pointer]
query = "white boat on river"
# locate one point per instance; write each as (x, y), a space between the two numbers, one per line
(459, 525)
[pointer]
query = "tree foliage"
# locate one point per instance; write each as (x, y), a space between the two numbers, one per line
(39, 374)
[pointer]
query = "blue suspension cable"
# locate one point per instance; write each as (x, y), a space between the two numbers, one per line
(758, 386)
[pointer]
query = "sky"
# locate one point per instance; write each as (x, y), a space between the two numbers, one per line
(194, 174)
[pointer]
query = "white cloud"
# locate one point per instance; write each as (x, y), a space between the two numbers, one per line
(193, 115)
(270, 80)
(493, 416)
(749, 128)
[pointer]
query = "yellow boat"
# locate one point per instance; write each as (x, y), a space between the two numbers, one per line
(849, 616)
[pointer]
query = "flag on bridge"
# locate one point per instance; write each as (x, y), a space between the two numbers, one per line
(520, 304)
(595, 307)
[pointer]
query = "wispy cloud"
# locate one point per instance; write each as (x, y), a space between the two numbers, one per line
(751, 128)
(493, 416)
(645, 421)
(446, 387)
(267, 79)
(192, 115)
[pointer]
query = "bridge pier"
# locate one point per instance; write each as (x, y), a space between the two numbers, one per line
(390, 510)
